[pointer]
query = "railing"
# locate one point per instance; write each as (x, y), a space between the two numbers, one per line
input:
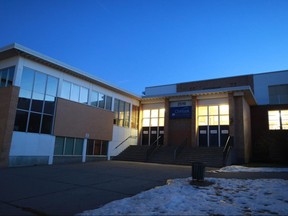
(227, 148)
(179, 148)
(134, 137)
(152, 148)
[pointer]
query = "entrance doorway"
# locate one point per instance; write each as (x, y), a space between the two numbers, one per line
(213, 125)
(153, 126)
(152, 135)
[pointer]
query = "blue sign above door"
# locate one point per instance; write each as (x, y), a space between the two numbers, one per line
(180, 112)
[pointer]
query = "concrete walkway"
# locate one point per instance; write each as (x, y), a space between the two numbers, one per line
(73, 188)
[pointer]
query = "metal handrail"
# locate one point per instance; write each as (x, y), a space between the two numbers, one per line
(227, 148)
(152, 148)
(180, 148)
(125, 141)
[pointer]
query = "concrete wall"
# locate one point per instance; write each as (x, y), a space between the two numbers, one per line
(8, 105)
(31, 148)
(262, 81)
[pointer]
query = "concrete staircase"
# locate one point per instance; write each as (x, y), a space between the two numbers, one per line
(212, 156)
(133, 153)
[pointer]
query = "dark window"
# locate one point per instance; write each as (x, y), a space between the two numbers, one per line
(104, 148)
(90, 147)
(37, 102)
(6, 76)
(101, 101)
(24, 99)
(37, 96)
(47, 121)
(21, 121)
(78, 147)
(34, 123)
(69, 146)
(49, 105)
(108, 105)
(59, 146)
(278, 94)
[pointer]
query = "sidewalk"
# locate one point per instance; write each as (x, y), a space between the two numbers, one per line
(73, 188)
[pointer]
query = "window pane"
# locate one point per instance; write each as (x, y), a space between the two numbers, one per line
(127, 115)
(37, 102)
(224, 109)
(69, 146)
(121, 109)
(146, 114)
(146, 122)
(84, 95)
(154, 113)
(284, 119)
(90, 147)
(162, 113)
(20, 121)
(78, 147)
(108, 105)
(213, 120)
(40, 83)
(224, 120)
(104, 148)
(94, 98)
(203, 120)
(75, 93)
(3, 79)
(49, 104)
(274, 120)
(97, 147)
(202, 110)
(24, 99)
(59, 146)
(101, 100)
(47, 121)
(66, 88)
(213, 110)
(27, 79)
(52, 84)
(10, 76)
(34, 123)
(161, 122)
(154, 122)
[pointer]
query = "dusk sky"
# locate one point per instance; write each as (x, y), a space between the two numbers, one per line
(133, 44)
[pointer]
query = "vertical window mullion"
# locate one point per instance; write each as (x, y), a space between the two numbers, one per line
(64, 146)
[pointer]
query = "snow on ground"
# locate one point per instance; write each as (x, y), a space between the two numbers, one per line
(235, 168)
(223, 197)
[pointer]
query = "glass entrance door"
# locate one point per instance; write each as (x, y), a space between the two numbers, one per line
(213, 125)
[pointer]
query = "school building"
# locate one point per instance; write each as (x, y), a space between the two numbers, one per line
(53, 113)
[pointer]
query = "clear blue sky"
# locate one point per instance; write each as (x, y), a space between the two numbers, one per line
(137, 43)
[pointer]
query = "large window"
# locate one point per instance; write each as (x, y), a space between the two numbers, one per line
(36, 103)
(6, 76)
(68, 146)
(74, 92)
(121, 113)
(213, 115)
(278, 119)
(97, 147)
(135, 117)
(100, 100)
(153, 118)
(278, 94)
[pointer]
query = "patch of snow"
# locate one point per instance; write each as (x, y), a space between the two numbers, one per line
(235, 168)
(224, 197)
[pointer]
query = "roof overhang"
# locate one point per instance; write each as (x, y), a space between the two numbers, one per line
(19, 50)
(245, 91)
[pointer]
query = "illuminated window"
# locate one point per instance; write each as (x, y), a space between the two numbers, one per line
(213, 115)
(278, 119)
(153, 118)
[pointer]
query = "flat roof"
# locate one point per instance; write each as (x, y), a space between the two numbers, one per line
(19, 50)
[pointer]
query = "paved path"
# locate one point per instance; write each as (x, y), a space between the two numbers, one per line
(73, 188)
